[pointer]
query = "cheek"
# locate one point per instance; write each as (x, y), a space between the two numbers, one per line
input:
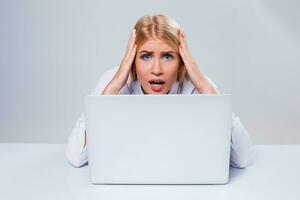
(172, 69)
(141, 73)
(142, 67)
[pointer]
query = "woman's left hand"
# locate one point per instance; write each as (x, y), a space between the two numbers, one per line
(197, 77)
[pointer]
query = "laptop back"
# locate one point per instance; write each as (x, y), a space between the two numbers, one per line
(159, 139)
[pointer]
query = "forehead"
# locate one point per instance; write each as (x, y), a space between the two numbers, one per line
(155, 45)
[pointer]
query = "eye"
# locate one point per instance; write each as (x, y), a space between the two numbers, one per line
(146, 57)
(168, 56)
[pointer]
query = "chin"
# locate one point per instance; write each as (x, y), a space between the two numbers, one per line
(149, 91)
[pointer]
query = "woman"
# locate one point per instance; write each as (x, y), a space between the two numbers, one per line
(157, 61)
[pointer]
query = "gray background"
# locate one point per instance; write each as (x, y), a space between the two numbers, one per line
(52, 53)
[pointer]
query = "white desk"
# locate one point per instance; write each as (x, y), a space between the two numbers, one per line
(41, 171)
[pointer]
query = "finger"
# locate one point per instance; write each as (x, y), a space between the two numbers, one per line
(131, 41)
(183, 40)
(186, 57)
(183, 48)
(131, 50)
(184, 45)
(132, 38)
(183, 54)
(131, 55)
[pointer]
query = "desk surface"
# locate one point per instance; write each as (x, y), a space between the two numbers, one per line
(40, 171)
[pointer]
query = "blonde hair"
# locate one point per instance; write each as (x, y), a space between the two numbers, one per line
(164, 28)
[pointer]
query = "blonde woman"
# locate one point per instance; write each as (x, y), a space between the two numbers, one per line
(157, 61)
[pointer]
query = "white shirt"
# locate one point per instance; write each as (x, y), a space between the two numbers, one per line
(76, 152)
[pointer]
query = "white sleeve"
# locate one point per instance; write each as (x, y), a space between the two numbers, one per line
(76, 152)
(240, 149)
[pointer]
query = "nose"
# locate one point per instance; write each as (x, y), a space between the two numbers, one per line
(156, 68)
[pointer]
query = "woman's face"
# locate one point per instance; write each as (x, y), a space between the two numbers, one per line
(157, 66)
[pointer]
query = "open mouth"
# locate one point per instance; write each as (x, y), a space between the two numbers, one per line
(157, 85)
(156, 82)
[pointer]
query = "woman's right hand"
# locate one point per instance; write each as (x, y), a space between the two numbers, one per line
(121, 76)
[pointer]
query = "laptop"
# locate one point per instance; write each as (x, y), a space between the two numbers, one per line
(159, 139)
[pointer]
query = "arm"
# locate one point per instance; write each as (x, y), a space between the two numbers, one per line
(121, 76)
(112, 82)
(76, 151)
(240, 141)
(240, 149)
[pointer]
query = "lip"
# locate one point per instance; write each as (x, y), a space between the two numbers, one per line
(157, 79)
(156, 87)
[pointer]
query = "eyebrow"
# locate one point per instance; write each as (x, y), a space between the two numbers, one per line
(151, 52)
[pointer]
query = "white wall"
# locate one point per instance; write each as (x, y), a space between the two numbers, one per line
(53, 52)
(267, 69)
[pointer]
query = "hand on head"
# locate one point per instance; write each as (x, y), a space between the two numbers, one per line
(184, 50)
(121, 76)
(130, 52)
